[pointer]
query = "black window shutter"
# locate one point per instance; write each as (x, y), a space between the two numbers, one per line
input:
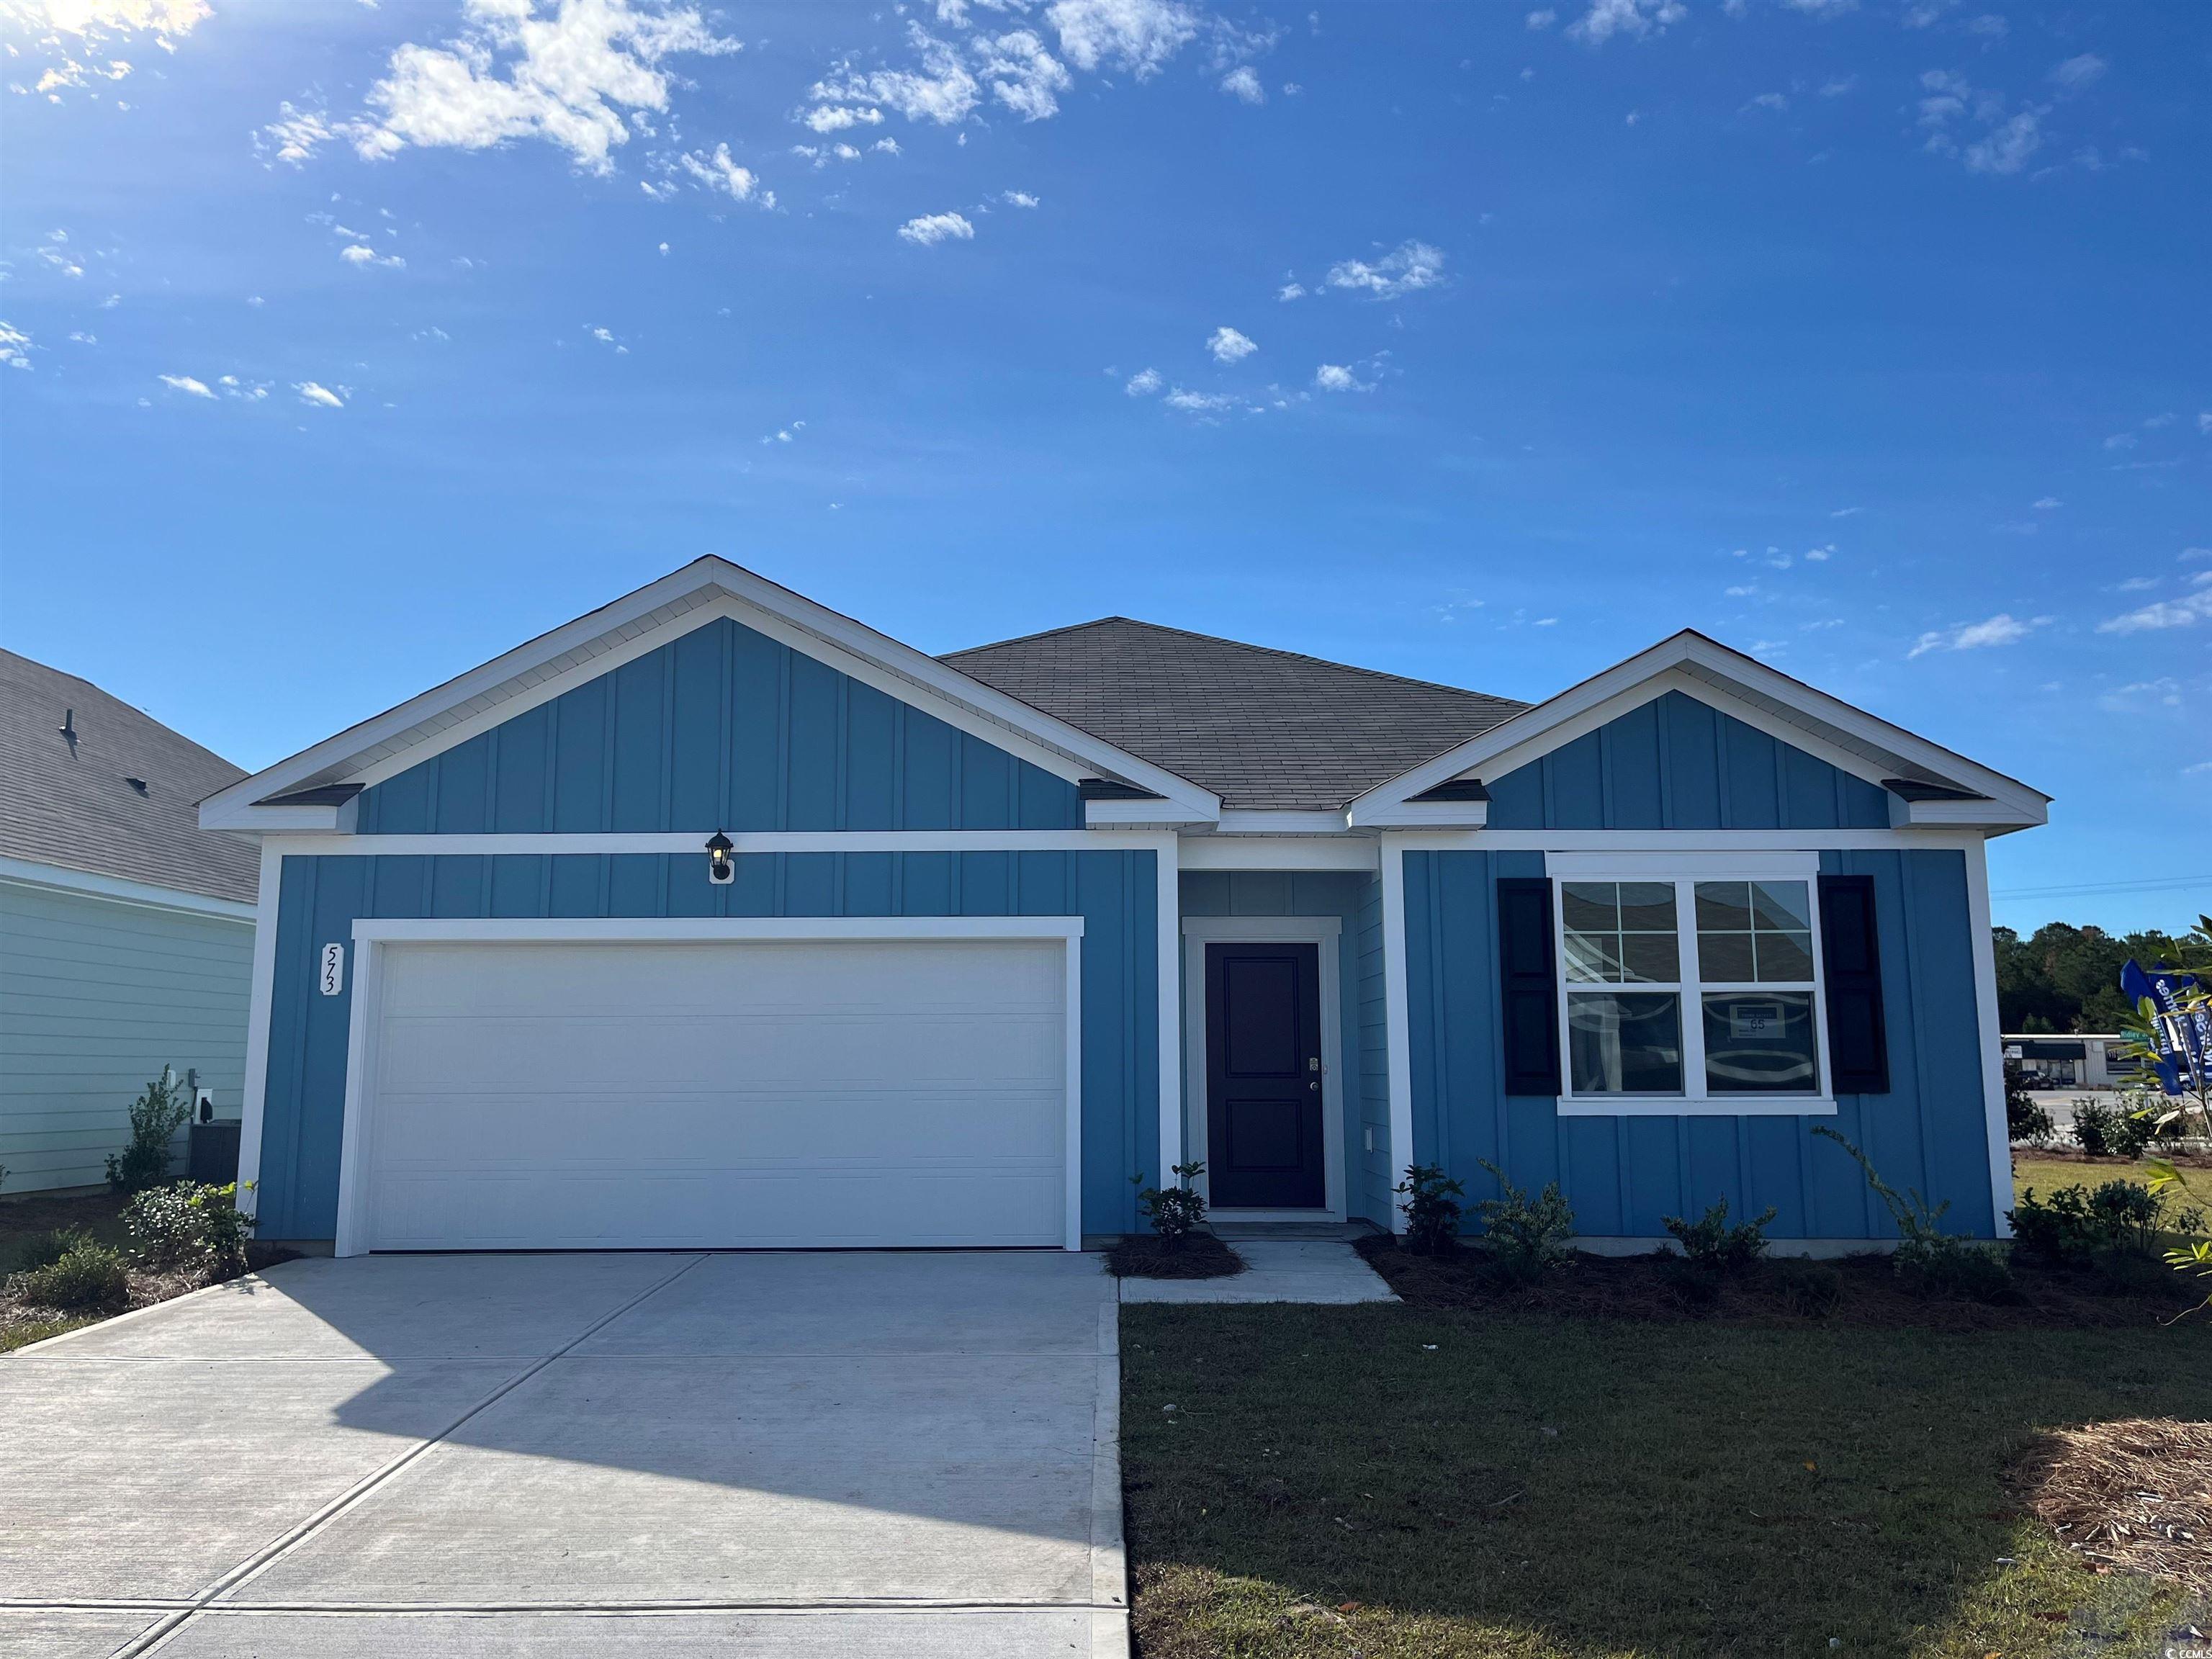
(1851, 955)
(1527, 992)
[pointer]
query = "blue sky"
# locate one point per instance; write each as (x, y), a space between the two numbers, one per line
(348, 344)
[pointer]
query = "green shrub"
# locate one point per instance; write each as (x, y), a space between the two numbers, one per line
(1710, 1243)
(2025, 1119)
(2076, 1223)
(1525, 1236)
(88, 1276)
(1432, 1208)
(1175, 1211)
(44, 1249)
(1930, 1260)
(189, 1228)
(1808, 1289)
(2103, 1130)
(155, 1117)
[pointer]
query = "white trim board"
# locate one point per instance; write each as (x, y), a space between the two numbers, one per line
(1850, 739)
(1324, 933)
(705, 590)
(117, 890)
(694, 842)
(372, 935)
(1988, 1042)
(256, 1094)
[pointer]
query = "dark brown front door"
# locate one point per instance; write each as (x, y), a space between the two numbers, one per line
(1263, 1081)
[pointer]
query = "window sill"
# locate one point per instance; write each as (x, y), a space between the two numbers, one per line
(1734, 1106)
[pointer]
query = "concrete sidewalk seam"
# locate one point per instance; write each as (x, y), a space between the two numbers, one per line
(147, 1640)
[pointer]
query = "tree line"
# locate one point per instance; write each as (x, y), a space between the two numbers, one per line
(2064, 978)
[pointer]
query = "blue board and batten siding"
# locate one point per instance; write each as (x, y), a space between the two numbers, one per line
(1677, 764)
(721, 728)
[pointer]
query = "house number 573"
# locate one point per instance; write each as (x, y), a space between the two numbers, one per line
(333, 979)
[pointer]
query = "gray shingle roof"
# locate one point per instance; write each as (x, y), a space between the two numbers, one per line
(78, 808)
(1261, 728)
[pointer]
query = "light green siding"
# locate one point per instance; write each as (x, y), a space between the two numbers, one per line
(96, 996)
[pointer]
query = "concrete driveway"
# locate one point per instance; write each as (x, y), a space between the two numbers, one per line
(850, 1454)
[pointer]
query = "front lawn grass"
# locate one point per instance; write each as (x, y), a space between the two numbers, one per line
(2048, 1170)
(1406, 1483)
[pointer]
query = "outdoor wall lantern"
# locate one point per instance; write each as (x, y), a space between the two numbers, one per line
(721, 869)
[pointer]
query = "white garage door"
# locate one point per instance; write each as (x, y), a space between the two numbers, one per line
(763, 1093)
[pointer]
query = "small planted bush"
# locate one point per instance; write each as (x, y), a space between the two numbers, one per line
(1175, 1211)
(2078, 1223)
(1930, 1260)
(1710, 1243)
(2025, 1119)
(44, 1249)
(155, 1117)
(1432, 1208)
(189, 1228)
(1525, 1237)
(2103, 1130)
(87, 1276)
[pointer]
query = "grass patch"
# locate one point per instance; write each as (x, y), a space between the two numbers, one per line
(1411, 1483)
(20, 1333)
(1199, 1255)
(2048, 1168)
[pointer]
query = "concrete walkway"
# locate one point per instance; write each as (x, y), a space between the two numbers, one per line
(1277, 1270)
(828, 1453)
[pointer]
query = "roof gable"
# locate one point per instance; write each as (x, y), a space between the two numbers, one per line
(537, 671)
(723, 728)
(73, 805)
(1926, 783)
(1264, 729)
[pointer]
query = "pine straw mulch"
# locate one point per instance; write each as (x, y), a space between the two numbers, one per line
(2133, 1496)
(1859, 1290)
(143, 1287)
(1146, 1255)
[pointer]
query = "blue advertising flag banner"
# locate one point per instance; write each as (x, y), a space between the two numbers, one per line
(2185, 1039)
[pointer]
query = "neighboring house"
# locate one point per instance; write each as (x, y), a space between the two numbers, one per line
(126, 931)
(714, 918)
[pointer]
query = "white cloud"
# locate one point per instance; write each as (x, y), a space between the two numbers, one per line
(942, 90)
(1244, 82)
(718, 172)
(1740, 591)
(360, 253)
(1228, 346)
(1020, 199)
(1198, 403)
(2121, 441)
(2003, 629)
(1143, 383)
(835, 118)
(571, 72)
(1136, 36)
(1847, 511)
(16, 347)
(2046, 503)
(2184, 612)
(2135, 585)
(1820, 555)
(1290, 291)
(2194, 555)
(2007, 147)
(1542, 18)
(606, 337)
(1022, 74)
(321, 395)
(186, 383)
(1769, 101)
(2205, 422)
(295, 134)
(1839, 85)
(2077, 72)
(887, 145)
(60, 28)
(1633, 18)
(79, 336)
(1406, 268)
(933, 227)
(1338, 377)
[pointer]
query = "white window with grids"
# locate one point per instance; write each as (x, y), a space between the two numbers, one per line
(1690, 982)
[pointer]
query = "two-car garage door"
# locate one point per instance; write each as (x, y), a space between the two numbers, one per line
(580, 1095)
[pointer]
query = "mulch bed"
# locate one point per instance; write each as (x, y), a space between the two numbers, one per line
(144, 1288)
(1854, 1290)
(2134, 1495)
(1200, 1256)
